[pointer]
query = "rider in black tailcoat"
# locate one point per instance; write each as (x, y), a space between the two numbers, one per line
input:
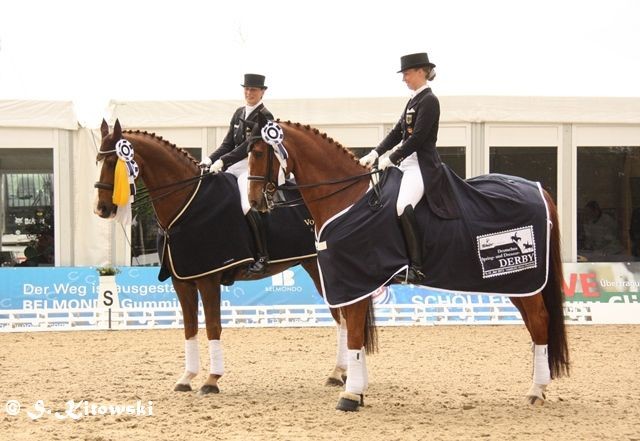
(415, 136)
(232, 157)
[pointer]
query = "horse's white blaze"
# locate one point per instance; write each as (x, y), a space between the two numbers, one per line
(95, 202)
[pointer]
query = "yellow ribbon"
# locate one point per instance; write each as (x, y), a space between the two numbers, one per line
(121, 191)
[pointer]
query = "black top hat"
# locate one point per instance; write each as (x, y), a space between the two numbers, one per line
(415, 60)
(254, 80)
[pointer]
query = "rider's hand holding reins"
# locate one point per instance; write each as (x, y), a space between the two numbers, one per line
(205, 163)
(384, 162)
(216, 166)
(368, 159)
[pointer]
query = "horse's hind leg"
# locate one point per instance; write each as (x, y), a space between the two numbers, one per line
(188, 297)
(338, 375)
(536, 318)
(209, 288)
(357, 376)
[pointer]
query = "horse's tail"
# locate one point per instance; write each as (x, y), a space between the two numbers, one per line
(553, 296)
(370, 330)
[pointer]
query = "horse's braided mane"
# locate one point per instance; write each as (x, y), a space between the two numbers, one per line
(171, 145)
(323, 135)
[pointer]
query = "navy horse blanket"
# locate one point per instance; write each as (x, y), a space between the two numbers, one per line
(211, 234)
(497, 244)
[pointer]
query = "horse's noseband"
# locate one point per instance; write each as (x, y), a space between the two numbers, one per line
(103, 186)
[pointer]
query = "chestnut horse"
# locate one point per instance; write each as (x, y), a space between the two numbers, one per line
(161, 165)
(330, 180)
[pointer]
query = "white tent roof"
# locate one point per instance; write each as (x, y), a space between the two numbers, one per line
(331, 111)
(40, 114)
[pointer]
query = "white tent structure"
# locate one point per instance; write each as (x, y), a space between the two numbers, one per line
(473, 124)
(80, 237)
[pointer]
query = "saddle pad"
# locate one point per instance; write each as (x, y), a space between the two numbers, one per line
(211, 234)
(497, 245)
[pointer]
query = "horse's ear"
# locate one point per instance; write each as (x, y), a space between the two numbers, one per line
(104, 128)
(251, 124)
(262, 120)
(117, 130)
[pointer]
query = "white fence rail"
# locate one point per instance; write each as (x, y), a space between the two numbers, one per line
(302, 316)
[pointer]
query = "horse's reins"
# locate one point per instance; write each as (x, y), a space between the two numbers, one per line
(144, 195)
(270, 187)
(300, 201)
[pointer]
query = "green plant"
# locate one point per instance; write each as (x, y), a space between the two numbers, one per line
(107, 270)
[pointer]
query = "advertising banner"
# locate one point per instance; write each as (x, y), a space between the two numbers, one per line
(138, 287)
(63, 288)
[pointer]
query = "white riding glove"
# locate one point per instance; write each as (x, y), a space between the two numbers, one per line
(205, 163)
(384, 163)
(216, 166)
(368, 159)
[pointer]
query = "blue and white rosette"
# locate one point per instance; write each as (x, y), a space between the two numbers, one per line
(273, 135)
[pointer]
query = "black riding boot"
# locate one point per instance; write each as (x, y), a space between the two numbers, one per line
(414, 247)
(260, 238)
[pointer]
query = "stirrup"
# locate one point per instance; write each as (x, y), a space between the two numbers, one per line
(414, 275)
(259, 266)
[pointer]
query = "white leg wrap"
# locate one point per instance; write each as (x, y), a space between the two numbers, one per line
(191, 360)
(191, 356)
(356, 372)
(541, 373)
(365, 371)
(342, 354)
(216, 358)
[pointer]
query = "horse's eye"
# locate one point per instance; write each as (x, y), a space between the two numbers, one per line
(257, 154)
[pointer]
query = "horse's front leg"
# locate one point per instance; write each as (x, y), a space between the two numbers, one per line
(357, 376)
(209, 288)
(536, 320)
(188, 297)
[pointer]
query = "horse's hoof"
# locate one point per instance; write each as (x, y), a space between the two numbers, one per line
(350, 402)
(334, 382)
(209, 389)
(536, 401)
(536, 395)
(347, 405)
(182, 388)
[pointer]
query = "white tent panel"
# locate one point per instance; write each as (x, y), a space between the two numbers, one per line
(42, 114)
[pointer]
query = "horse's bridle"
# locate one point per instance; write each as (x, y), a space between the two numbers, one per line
(270, 186)
(103, 185)
(143, 196)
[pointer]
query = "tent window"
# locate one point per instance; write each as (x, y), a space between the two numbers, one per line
(534, 163)
(26, 207)
(608, 203)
